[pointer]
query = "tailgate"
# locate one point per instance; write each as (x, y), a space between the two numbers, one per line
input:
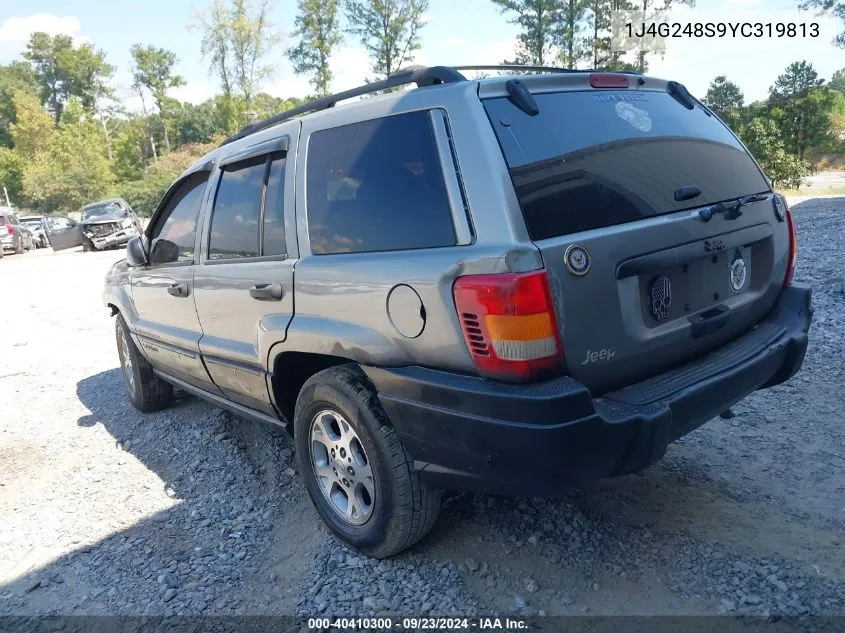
(616, 188)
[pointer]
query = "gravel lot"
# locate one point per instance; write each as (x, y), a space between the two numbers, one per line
(191, 511)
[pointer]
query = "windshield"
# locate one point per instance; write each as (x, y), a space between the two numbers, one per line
(598, 158)
(112, 208)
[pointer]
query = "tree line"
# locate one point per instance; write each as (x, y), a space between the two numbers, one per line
(66, 137)
(802, 119)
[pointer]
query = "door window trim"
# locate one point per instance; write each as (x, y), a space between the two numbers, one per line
(272, 151)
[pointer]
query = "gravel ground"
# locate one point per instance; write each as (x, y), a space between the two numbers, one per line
(191, 511)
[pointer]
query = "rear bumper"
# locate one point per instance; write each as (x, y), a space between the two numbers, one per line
(468, 433)
(7, 241)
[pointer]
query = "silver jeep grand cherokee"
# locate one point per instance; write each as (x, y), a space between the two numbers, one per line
(511, 285)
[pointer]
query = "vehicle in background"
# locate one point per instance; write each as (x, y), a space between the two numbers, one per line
(108, 223)
(37, 224)
(14, 236)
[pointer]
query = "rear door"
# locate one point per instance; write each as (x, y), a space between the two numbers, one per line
(615, 187)
(244, 284)
(63, 233)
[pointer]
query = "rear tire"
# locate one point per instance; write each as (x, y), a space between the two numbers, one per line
(396, 508)
(147, 391)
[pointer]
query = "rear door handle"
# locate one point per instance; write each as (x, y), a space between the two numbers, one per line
(266, 292)
(178, 290)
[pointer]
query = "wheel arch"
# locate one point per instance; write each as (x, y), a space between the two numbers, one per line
(289, 373)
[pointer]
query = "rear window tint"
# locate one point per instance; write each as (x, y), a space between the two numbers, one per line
(2, 220)
(598, 158)
(377, 186)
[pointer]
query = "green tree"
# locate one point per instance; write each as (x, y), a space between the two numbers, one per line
(837, 82)
(764, 141)
(318, 30)
(253, 39)
(65, 167)
(238, 39)
(837, 122)
(801, 108)
(574, 47)
(388, 29)
(153, 71)
(131, 153)
(64, 71)
(15, 77)
(11, 174)
(198, 123)
(599, 41)
(32, 133)
(537, 21)
(830, 7)
(725, 99)
(653, 9)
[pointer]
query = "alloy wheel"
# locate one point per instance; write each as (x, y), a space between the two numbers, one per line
(342, 467)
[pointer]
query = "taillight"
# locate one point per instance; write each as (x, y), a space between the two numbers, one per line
(608, 80)
(793, 248)
(10, 229)
(509, 324)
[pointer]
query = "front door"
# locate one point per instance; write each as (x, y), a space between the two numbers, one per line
(63, 233)
(244, 283)
(167, 326)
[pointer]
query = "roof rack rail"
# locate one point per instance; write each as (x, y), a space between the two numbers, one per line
(419, 75)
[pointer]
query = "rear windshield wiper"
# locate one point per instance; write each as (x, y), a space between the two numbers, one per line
(731, 210)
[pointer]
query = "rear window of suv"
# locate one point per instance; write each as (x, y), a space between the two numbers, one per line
(598, 158)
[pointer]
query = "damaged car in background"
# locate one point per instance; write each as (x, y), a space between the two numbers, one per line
(108, 223)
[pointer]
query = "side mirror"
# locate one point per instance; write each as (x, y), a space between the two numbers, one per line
(136, 252)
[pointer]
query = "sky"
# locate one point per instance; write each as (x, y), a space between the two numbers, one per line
(456, 32)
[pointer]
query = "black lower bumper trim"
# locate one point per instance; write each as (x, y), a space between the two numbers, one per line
(465, 432)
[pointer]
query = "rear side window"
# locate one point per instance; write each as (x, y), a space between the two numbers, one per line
(176, 229)
(598, 158)
(237, 211)
(377, 186)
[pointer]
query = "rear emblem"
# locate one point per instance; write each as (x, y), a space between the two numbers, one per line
(577, 260)
(660, 293)
(739, 273)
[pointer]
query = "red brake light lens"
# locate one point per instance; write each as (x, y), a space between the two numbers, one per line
(509, 324)
(793, 249)
(609, 80)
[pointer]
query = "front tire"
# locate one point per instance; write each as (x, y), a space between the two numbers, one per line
(354, 467)
(147, 391)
